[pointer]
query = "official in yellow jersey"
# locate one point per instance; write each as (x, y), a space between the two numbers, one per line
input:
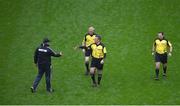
(87, 41)
(162, 48)
(98, 51)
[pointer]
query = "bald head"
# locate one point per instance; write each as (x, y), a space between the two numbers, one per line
(91, 30)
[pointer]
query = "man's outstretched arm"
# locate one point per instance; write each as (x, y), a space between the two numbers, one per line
(54, 54)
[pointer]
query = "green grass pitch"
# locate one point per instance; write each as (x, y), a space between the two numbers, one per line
(128, 28)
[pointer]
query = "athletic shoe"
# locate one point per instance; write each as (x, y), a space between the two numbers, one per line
(156, 78)
(33, 90)
(164, 74)
(94, 85)
(50, 90)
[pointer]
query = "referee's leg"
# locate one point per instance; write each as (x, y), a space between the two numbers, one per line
(157, 70)
(99, 76)
(87, 65)
(38, 78)
(164, 61)
(48, 78)
(100, 71)
(92, 73)
(157, 64)
(164, 69)
(87, 56)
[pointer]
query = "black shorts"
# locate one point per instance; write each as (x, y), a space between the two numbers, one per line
(161, 58)
(96, 63)
(87, 52)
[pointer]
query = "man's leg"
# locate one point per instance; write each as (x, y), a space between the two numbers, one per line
(38, 79)
(157, 70)
(92, 72)
(164, 69)
(164, 61)
(87, 65)
(48, 78)
(100, 71)
(99, 76)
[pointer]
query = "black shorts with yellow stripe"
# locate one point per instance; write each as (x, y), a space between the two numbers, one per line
(161, 58)
(95, 62)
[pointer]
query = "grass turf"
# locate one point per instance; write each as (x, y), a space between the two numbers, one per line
(128, 28)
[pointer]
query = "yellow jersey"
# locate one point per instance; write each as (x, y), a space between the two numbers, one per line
(88, 39)
(98, 51)
(161, 46)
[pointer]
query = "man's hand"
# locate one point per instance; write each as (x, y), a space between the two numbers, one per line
(102, 61)
(153, 53)
(83, 50)
(169, 54)
(75, 48)
(61, 53)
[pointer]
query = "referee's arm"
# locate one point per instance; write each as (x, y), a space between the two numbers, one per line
(104, 57)
(170, 46)
(104, 51)
(82, 47)
(153, 47)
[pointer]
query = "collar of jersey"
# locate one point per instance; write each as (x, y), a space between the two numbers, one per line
(90, 34)
(161, 39)
(98, 44)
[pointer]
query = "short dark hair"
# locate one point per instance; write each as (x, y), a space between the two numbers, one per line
(162, 33)
(98, 36)
(46, 40)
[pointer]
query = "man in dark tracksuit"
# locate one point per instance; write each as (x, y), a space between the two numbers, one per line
(42, 59)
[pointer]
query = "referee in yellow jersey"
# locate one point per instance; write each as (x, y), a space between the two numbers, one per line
(162, 48)
(87, 41)
(98, 51)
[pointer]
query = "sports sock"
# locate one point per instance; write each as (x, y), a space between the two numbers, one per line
(99, 78)
(164, 69)
(157, 72)
(87, 66)
(93, 78)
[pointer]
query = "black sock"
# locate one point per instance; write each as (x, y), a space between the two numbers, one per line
(165, 68)
(99, 78)
(93, 78)
(87, 66)
(157, 72)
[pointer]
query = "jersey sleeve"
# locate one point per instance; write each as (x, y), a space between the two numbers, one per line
(169, 44)
(84, 40)
(104, 50)
(154, 43)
